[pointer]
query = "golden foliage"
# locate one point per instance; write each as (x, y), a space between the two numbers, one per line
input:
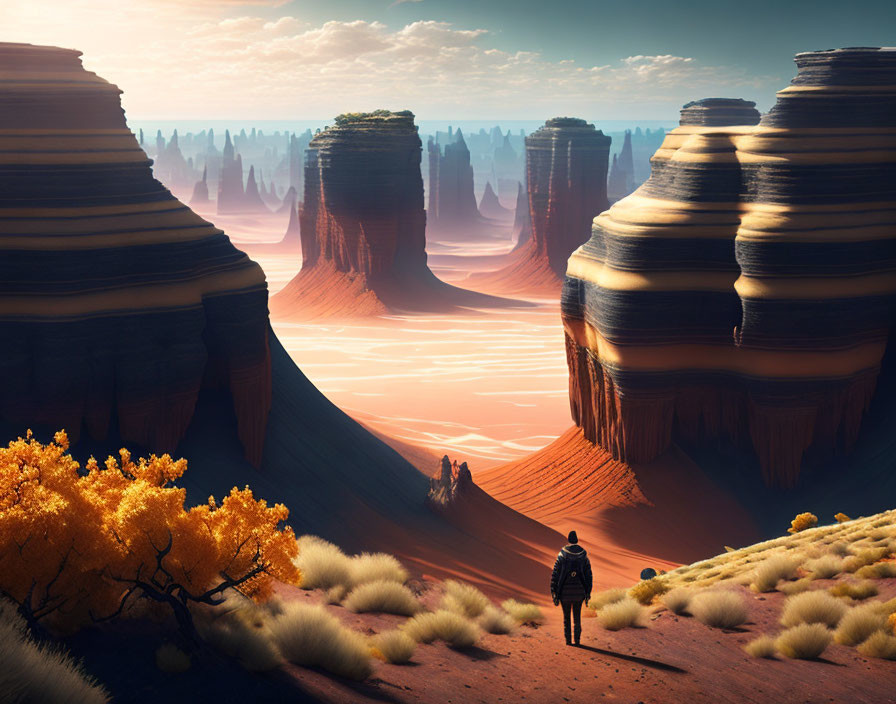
(76, 543)
(645, 592)
(841, 518)
(802, 522)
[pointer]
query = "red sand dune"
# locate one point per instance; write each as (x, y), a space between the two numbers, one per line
(659, 514)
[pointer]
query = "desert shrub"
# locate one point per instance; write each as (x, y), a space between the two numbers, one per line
(243, 632)
(771, 571)
(761, 647)
(336, 594)
(606, 597)
(854, 590)
(645, 592)
(309, 635)
(37, 673)
(824, 567)
(496, 621)
(170, 658)
(464, 599)
(879, 645)
(322, 564)
(797, 587)
(443, 625)
(522, 612)
(839, 547)
(719, 608)
(382, 597)
(879, 570)
(866, 556)
(891, 619)
(858, 623)
(805, 641)
(78, 544)
(677, 600)
(376, 567)
(841, 518)
(621, 614)
(395, 647)
(802, 522)
(813, 607)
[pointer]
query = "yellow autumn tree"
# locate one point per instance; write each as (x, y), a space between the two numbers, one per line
(80, 544)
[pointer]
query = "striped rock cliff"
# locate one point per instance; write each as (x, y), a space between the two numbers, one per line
(745, 292)
(363, 226)
(566, 173)
(117, 302)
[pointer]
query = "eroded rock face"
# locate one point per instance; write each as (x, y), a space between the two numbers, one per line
(746, 290)
(452, 201)
(363, 226)
(117, 302)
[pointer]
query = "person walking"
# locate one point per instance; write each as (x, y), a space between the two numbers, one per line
(571, 585)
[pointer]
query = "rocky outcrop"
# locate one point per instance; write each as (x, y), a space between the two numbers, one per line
(231, 195)
(117, 303)
(200, 191)
(452, 483)
(566, 172)
(452, 202)
(363, 225)
(490, 206)
(745, 293)
(252, 201)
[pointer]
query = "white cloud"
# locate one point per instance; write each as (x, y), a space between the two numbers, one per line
(202, 64)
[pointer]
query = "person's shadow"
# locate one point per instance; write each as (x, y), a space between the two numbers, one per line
(647, 662)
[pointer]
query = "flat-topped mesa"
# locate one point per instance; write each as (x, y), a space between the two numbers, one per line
(566, 172)
(746, 290)
(363, 226)
(719, 112)
(117, 302)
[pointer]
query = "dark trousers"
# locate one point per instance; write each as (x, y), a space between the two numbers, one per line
(572, 610)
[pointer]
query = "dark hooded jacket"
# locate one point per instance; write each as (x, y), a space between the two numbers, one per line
(571, 578)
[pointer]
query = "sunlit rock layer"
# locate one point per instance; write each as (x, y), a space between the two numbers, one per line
(746, 290)
(117, 302)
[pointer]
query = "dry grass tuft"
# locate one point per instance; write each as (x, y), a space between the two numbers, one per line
(606, 597)
(824, 567)
(645, 592)
(865, 556)
(171, 659)
(33, 673)
(443, 625)
(309, 635)
(719, 608)
(322, 564)
(464, 599)
(394, 647)
(626, 613)
(677, 600)
(521, 612)
(860, 622)
(761, 647)
(879, 570)
(813, 607)
(376, 567)
(879, 645)
(797, 587)
(383, 598)
(806, 641)
(854, 590)
(771, 571)
(336, 594)
(244, 633)
(496, 621)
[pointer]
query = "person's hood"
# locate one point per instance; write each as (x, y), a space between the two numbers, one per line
(573, 550)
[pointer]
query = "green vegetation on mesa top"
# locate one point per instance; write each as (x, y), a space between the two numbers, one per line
(348, 118)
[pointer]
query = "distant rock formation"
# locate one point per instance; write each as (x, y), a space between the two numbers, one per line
(118, 325)
(231, 195)
(291, 243)
(490, 206)
(363, 225)
(451, 484)
(252, 201)
(200, 191)
(452, 206)
(622, 172)
(755, 303)
(269, 198)
(567, 186)
(290, 199)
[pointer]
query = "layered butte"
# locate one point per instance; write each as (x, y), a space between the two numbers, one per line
(363, 225)
(566, 173)
(746, 291)
(117, 302)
